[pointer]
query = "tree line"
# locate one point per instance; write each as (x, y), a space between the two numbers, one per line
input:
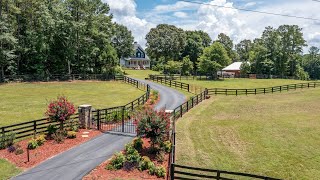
(43, 37)
(279, 51)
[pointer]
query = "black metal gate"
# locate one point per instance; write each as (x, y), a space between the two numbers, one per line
(118, 119)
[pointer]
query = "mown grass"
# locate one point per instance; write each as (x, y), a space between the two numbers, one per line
(7, 170)
(242, 83)
(22, 102)
(274, 135)
(141, 74)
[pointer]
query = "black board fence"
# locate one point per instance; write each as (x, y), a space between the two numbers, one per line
(60, 77)
(165, 80)
(31, 128)
(222, 91)
(176, 171)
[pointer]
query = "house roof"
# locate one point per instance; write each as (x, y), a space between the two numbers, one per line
(233, 67)
(137, 46)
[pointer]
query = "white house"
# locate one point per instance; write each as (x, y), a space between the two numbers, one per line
(139, 60)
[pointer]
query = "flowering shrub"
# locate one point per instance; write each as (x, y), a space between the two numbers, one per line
(60, 110)
(154, 125)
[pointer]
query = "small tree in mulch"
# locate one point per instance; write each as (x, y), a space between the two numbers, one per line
(60, 110)
(154, 125)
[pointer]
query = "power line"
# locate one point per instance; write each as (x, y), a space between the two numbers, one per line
(255, 11)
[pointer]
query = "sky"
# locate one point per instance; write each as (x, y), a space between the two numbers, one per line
(142, 15)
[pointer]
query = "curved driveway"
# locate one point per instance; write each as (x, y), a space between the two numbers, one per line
(80, 160)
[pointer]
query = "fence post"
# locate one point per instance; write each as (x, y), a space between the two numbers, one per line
(314, 84)
(172, 171)
(236, 92)
(272, 89)
(98, 119)
(197, 99)
(34, 128)
(215, 92)
(192, 102)
(170, 82)
(181, 111)
(247, 92)
(264, 90)
(187, 106)
(218, 175)
(287, 87)
(188, 87)
(122, 122)
(255, 91)
(132, 105)
(280, 88)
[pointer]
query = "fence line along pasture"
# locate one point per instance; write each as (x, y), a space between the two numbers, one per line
(113, 115)
(60, 77)
(217, 91)
(176, 84)
(176, 171)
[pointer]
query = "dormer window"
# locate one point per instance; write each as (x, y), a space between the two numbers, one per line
(139, 55)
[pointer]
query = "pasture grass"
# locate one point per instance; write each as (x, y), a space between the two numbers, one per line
(140, 74)
(242, 83)
(22, 102)
(7, 170)
(274, 135)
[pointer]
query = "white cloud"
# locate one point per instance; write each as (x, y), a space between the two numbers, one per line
(214, 20)
(124, 12)
(178, 6)
(181, 14)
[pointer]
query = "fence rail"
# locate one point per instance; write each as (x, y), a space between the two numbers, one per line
(217, 91)
(176, 84)
(60, 77)
(34, 127)
(187, 172)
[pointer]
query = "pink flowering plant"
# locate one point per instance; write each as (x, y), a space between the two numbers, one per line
(154, 125)
(60, 110)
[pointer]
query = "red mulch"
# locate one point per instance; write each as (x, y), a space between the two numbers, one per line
(49, 149)
(101, 173)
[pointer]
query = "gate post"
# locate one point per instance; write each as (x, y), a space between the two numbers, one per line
(85, 116)
(122, 122)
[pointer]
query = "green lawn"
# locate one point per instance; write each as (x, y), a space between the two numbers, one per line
(22, 102)
(275, 135)
(7, 170)
(242, 83)
(141, 74)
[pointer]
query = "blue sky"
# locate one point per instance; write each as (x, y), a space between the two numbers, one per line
(142, 15)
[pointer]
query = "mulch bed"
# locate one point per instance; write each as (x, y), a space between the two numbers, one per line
(101, 173)
(49, 149)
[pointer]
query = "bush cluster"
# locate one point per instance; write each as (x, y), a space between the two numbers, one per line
(71, 134)
(131, 158)
(7, 140)
(154, 125)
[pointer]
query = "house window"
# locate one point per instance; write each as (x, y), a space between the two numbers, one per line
(139, 54)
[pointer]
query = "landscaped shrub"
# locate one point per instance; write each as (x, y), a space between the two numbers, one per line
(19, 151)
(160, 171)
(154, 125)
(32, 144)
(51, 130)
(7, 140)
(160, 156)
(71, 134)
(116, 162)
(40, 139)
(166, 146)
(60, 110)
(59, 136)
(152, 169)
(145, 163)
(138, 143)
(132, 155)
(11, 149)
